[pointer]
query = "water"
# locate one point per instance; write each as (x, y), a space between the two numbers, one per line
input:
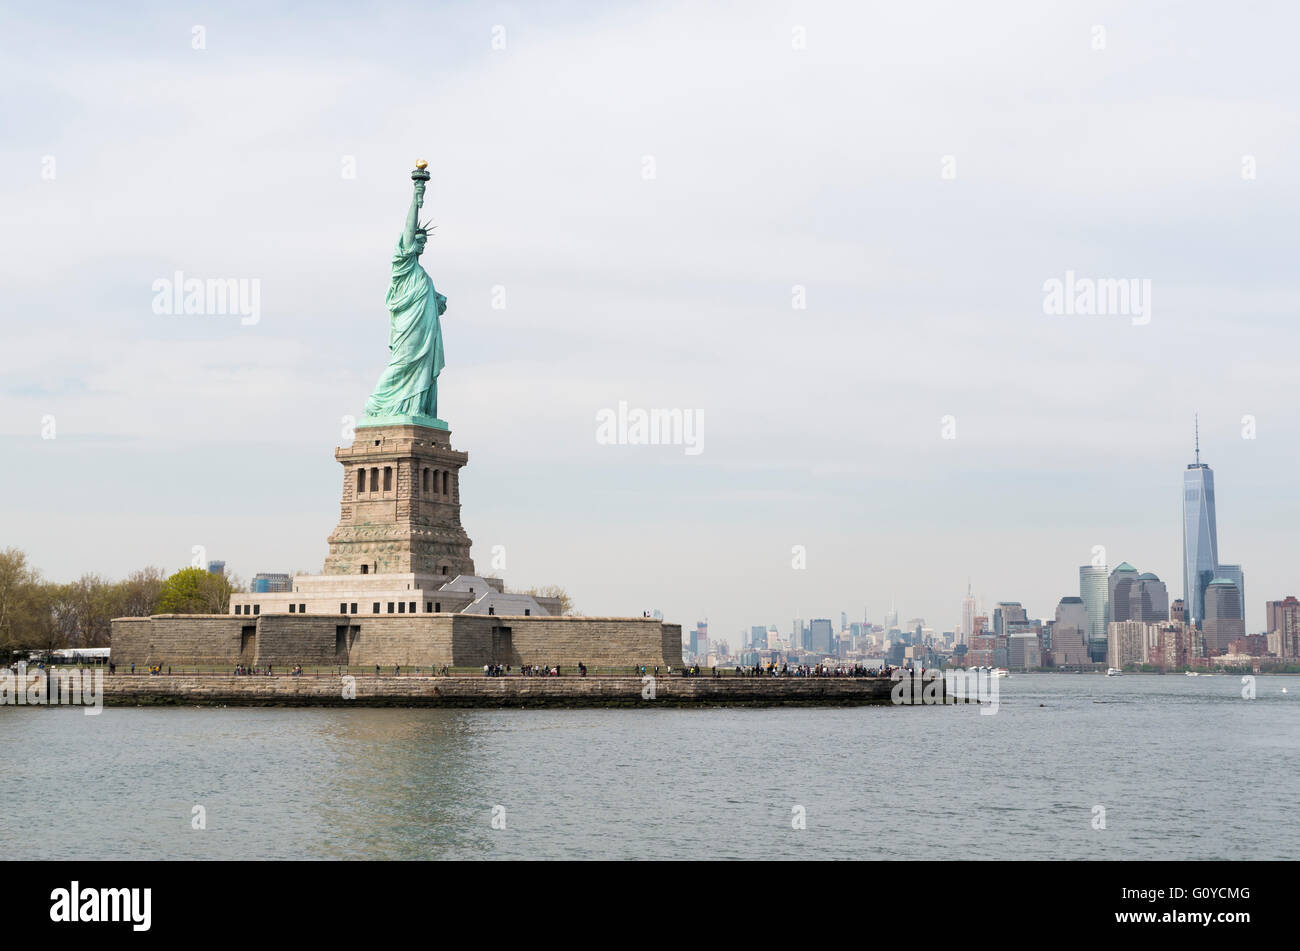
(1184, 767)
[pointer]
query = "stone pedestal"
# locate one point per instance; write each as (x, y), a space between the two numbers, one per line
(401, 505)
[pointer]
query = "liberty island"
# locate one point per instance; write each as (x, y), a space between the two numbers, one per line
(399, 587)
(400, 590)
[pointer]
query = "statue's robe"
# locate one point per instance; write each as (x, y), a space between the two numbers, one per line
(409, 384)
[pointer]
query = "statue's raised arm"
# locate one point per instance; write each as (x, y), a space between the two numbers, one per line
(413, 228)
(407, 390)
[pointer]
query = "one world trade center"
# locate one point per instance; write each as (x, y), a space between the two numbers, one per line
(1200, 537)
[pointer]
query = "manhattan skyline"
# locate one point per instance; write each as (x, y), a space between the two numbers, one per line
(823, 424)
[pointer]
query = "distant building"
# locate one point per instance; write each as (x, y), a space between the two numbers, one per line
(1148, 599)
(1234, 574)
(1283, 627)
(1126, 643)
(1178, 612)
(264, 582)
(217, 568)
(1251, 645)
(967, 616)
(1200, 536)
(1095, 592)
(1023, 650)
(1004, 612)
(1223, 615)
(700, 638)
(758, 637)
(821, 637)
(1173, 645)
(1070, 633)
(1119, 587)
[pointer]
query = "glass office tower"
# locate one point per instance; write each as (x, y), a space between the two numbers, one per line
(1234, 574)
(1200, 538)
(1095, 592)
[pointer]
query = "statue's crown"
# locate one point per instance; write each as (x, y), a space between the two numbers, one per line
(426, 227)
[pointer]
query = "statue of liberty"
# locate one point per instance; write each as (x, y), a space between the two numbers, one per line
(408, 386)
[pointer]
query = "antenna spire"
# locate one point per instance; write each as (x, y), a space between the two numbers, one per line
(1197, 423)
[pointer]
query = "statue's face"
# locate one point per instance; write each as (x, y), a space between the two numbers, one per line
(420, 241)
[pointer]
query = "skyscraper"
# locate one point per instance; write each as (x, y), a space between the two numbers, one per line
(1070, 633)
(821, 636)
(1283, 619)
(1095, 592)
(1200, 536)
(1223, 615)
(700, 638)
(1004, 614)
(967, 615)
(1234, 574)
(1148, 599)
(1120, 589)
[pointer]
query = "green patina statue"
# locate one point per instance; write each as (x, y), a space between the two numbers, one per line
(407, 392)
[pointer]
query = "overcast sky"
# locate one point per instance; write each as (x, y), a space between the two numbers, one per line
(791, 144)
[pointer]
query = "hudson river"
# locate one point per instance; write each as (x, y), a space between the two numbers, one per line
(1183, 767)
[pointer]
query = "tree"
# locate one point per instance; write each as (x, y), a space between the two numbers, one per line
(138, 595)
(194, 591)
(95, 602)
(18, 582)
(553, 591)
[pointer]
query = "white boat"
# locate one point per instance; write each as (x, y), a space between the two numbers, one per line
(1113, 672)
(1192, 673)
(1001, 672)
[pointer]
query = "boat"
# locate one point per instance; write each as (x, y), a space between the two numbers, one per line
(1113, 671)
(1192, 673)
(1001, 672)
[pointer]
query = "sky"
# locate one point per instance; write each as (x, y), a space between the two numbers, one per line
(824, 229)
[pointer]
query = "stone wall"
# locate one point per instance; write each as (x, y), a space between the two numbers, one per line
(672, 644)
(594, 641)
(566, 691)
(169, 638)
(429, 640)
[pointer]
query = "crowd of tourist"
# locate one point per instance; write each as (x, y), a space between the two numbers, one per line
(809, 670)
